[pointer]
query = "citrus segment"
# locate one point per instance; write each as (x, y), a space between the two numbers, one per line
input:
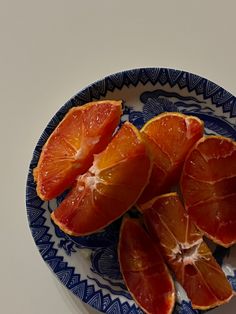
(185, 252)
(110, 187)
(144, 271)
(68, 152)
(208, 186)
(169, 137)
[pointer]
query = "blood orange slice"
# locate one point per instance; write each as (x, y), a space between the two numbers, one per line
(186, 253)
(68, 152)
(208, 185)
(143, 269)
(110, 187)
(169, 137)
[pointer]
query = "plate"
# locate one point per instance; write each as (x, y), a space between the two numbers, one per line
(88, 266)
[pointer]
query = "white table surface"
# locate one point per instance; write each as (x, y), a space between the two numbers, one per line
(51, 49)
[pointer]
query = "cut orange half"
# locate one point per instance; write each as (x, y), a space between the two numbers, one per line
(185, 252)
(144, 271)
(169, 137)
(208, 186)
(68, 152)
(110, 187)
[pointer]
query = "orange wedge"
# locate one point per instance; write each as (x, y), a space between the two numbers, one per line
(110, 187)
(208, 186)
(186, 253)
(68, 152)
(169, 137)
(144, 271)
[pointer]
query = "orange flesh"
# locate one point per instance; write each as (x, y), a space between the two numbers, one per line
(68, 152)
(110, 187)
(169, 137)
(144, 271)
(186, 253)
(208, 186)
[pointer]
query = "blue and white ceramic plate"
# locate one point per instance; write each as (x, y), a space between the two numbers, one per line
(88, 265)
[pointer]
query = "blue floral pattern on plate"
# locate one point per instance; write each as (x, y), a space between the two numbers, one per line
(88, 266)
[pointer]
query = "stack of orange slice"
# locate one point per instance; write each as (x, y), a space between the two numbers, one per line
(108, 172)
(186, 253)
(169, 137)
(108, 189)
(69, 151)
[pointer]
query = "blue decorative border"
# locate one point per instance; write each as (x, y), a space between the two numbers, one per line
(209, 90)
(40, 232)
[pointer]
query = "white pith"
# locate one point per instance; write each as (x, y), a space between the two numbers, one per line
(188, 123)
(82, 152)
(91, 179)
(186, 253)
(91, 182)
